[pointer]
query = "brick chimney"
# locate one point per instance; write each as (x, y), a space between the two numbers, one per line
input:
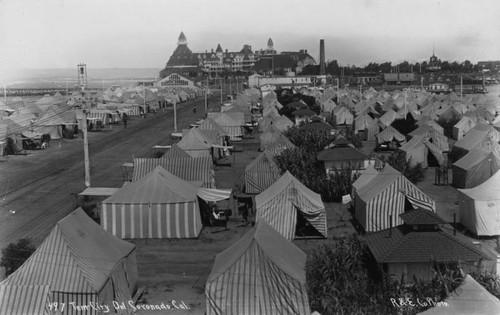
(322, 65)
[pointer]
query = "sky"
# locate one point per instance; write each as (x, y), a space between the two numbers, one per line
(143, 33)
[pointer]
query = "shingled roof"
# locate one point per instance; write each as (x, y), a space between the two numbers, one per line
(402, 244)
(421, 217)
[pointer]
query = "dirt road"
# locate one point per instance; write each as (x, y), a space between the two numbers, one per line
(39, 189)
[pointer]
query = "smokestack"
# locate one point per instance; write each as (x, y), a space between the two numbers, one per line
(322, 66)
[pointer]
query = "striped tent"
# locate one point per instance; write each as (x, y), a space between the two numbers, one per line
(388, 118)
(274, 141)
(287, 199)
(175, 152)
(373, 130)
(343, 116)
(280, 123)
(362, 122)
(193, 169)
(209, 124)
(462, 127)
(261, 173)
(24, 299)
(99, 115)
(81, 263)
(262, 273)
(159, 205)
(231, 123)
(390, 134)
(196, 142)
(387, 194)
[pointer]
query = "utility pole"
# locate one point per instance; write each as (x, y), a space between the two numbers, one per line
(175, 115)
(144, 90)
(206, 101)
(86, 146)
(221, 90)
(461, 87)
(230, 87)
(82, 79)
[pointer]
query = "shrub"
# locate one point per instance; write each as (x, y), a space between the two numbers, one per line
(15, 254)
(311, 140)
(414, 172)
(344, 278)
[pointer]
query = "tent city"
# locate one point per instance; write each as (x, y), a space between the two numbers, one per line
(279, 175)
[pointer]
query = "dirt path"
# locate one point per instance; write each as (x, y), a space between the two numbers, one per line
(39, 189)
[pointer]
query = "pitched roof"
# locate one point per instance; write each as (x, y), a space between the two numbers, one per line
(318, 125)
(379, 183)
(366, 176)
(278, 249)
(303, 112)
(472, 158)
(401, 245)
(421, 217)
(78, 256)
(341, 154)
(469, 298)
(159, 186)
(489, 190)
(176, 152)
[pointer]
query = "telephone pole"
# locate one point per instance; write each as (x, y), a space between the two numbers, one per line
(206, 101)
(175, 115)
(221, 90)
(82, 80)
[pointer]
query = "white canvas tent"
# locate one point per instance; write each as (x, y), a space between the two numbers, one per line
(480, 207)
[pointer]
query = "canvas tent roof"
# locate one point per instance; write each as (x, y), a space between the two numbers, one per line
(480, 207)
(78, 256)
(196, 142)
(261, 173)
(366, 176)
(275, 142)
(389, 134)
(489, 190)
(24, 299)
(378, 183)
(476, 135)
(469, 298)
(392, 190)
(175, 152)
(159, 186)
(471, 159)
(278, 206)
(262, 273)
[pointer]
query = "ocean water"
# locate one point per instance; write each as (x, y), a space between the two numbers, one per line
(96, 78)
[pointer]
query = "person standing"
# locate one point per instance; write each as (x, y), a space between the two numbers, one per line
(124, 119)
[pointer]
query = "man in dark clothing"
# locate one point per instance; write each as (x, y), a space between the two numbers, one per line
(124, 119)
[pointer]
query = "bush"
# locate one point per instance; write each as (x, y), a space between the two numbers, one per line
(311, 140)
(414, 173)
(14, 255)
(344, 278)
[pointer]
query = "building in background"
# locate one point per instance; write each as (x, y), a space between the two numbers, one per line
(220, 62)
(175, 80)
